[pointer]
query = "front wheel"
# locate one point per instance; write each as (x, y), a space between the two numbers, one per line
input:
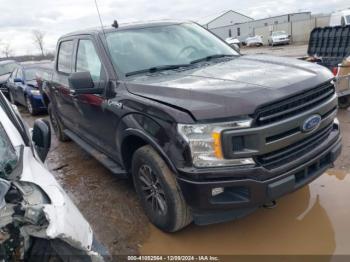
(159, 193)
(30, 107)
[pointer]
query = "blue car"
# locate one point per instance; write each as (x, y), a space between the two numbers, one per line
(23, 88)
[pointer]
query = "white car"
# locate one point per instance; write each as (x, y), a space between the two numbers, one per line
(256, 40)
(37, 219)
(279, 38)
(233, 41)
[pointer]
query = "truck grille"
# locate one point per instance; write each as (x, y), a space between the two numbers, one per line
(279, 157)
(294, 105)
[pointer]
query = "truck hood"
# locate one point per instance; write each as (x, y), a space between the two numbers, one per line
(230, 88)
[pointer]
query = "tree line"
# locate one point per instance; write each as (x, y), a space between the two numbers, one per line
(38, 38)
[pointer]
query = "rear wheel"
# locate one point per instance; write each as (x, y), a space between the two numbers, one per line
(57, 125)
(344, 102)
(55, 250)
(158, 191)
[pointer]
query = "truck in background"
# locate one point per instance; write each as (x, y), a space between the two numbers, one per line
(340, 18)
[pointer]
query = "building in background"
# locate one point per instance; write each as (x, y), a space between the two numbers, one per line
(227, 18)
(236, 25)
(242, 30)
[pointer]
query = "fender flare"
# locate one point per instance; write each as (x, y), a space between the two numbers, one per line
(139, 133)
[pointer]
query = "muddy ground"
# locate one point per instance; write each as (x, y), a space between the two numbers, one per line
(313, 220)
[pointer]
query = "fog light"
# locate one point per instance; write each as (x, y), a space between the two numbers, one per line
(217, 191)
(336, 121)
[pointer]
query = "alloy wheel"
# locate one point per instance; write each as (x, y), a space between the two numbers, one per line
(29, 105)
(152, 190)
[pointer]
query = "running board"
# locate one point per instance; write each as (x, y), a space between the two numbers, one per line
(114, 167)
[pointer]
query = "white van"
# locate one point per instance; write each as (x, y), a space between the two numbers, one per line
(340, 18)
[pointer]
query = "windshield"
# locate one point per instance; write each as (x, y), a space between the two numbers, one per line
(139, 49)
(30, 74)
(8, 156)
(7, 68)
(279, 33)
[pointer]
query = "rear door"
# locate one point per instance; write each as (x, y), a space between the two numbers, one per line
(64, 101)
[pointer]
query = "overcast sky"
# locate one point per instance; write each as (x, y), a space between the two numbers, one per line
(19, 17)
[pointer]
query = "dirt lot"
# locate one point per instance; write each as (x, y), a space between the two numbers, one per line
(313, 220)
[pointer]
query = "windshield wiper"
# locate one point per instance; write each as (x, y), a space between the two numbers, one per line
(156, 69)
(207, 58)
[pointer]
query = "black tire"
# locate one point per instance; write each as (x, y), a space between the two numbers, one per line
(57, 126)
(55, 250)
(158, 191)
(29, 106)
(344, 102)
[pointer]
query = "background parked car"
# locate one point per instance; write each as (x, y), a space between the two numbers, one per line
(233, 41)
(254, 41)
(23, 88)
(43, 75)
(279, 38)
(6, 68)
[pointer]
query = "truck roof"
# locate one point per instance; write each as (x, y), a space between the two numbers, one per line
(124, 26)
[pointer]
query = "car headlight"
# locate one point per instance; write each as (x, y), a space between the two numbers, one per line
(205, 143)
(35, 92)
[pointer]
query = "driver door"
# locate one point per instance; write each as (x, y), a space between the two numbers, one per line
(98, 123)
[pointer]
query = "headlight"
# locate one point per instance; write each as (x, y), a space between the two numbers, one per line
(35, 92)
(205, 143)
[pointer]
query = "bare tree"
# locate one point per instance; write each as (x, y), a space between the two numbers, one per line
(38, 37)
(7, 50)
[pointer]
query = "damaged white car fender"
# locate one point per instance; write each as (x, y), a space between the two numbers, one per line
(33, 206)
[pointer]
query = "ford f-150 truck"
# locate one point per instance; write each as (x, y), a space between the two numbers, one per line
(207, 135)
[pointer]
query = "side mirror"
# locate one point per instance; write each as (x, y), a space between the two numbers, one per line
(18, 80)
(42, 138)
(82, 83)
(80, 80)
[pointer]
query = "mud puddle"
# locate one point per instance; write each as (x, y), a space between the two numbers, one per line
(313, 220)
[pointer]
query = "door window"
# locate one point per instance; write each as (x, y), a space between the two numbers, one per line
(88, 60)
(64, 63)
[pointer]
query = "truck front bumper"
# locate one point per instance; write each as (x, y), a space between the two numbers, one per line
(224, 194)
